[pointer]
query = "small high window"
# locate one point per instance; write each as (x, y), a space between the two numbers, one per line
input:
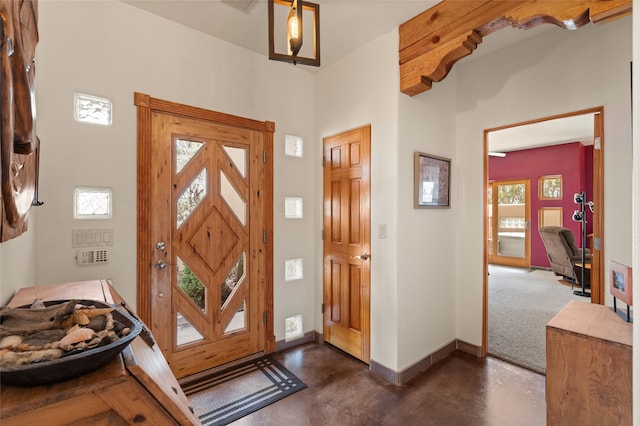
(92, 109)
(550, 187)
(293, 145)
(92, 203)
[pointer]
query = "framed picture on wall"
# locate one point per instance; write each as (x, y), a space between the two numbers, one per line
(432, 179)
(620, 282)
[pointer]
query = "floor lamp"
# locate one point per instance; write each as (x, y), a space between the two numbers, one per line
(581, 216)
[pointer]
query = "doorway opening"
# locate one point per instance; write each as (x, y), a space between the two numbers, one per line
(559, 155)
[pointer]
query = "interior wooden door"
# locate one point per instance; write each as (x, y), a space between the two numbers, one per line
(207, 239)
(347, 236)
(509, 223)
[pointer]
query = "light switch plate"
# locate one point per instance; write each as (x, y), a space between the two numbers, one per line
(382, 231)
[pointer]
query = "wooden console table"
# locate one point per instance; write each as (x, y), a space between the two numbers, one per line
(137, 387)
(589, 352)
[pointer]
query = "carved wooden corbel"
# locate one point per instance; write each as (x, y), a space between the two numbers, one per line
(433, 41)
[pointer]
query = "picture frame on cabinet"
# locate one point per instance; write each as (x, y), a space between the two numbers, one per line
(620, 282)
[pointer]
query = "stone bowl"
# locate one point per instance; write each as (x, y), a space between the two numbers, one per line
(74, 364)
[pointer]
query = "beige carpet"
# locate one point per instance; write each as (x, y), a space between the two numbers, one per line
(521, 302)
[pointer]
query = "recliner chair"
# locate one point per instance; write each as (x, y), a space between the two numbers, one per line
(562, 251)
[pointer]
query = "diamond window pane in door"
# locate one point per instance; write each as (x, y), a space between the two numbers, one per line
(234, 277)
(191, 197)
(239, 158)
(191, 285)
(233, 199)
(185, 151)
(239, 320)
(185, 331)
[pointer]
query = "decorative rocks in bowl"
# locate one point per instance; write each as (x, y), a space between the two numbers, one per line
(59, 340)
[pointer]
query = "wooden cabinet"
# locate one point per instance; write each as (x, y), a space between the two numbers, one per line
(137, 387)
(589, 352)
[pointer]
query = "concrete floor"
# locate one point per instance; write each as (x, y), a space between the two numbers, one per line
(460, 390)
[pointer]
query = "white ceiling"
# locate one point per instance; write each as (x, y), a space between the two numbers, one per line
(577, 128)
(346, 25)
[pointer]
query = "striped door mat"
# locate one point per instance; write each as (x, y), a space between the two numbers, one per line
(233, 393)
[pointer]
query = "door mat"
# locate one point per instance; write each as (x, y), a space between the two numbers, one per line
(228, 395)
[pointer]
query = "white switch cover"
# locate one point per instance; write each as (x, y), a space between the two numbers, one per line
(91, 237)
(382, 231)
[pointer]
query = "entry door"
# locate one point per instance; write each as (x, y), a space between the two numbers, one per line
(509, 223)
(347, 236)
(207, 232)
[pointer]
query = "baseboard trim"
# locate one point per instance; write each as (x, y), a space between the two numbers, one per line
(401, 377)
(387, 374)
(310, 336)
(469, 348)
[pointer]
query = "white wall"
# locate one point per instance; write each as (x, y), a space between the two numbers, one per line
(18, 261)
(555, 72)
(636, 214)
(426, 243)
(111, 49)
(358, 90)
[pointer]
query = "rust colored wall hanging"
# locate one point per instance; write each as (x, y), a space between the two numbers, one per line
(19, 143)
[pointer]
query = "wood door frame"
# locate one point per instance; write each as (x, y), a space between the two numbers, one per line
(146, 105)
(597, 261)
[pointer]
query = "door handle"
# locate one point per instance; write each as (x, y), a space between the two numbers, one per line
(161, 264)
(363, 256)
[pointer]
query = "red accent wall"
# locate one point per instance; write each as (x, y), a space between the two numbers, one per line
(573, 161)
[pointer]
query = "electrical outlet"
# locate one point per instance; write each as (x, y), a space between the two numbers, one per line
(91, 256)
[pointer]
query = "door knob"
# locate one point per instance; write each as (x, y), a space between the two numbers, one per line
(161, 264)
(363, 256)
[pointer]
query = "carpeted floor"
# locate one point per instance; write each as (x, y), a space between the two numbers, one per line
(521, 302)
(228, 395)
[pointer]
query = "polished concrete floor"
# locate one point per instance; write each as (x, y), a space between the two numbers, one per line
(460, 390)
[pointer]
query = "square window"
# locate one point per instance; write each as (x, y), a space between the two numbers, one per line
(92, 109)
(293, 328)
(293, 269)
(293, 208)
(550, 187)
(92, 203)
(293, 146)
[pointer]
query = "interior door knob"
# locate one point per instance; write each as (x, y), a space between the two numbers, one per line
(363, 256)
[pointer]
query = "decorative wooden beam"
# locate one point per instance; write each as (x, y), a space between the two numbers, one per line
(433, 41)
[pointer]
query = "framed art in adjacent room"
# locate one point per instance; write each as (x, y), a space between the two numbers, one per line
(432, 179)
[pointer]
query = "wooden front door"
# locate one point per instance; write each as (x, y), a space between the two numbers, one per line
(207, 238)
(347, 244)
